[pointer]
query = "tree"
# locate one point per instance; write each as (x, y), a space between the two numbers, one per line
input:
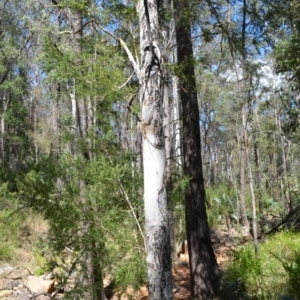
(150, 75)
(154, 159)
(205, 274)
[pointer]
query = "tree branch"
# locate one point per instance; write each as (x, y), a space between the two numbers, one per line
(128, 52)
(124, 84)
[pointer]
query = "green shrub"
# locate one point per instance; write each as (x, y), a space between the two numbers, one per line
(293, 275)
(7, 251)
(246, 269)
(222, 200)
(272, 274)
(131, 272)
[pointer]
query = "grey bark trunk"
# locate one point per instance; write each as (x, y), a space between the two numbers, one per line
(4, 108)
(251, 185)
(177, 145)
(245, 222)
(167, 133)
(154, 159)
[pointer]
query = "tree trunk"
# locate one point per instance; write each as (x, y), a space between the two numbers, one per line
(205, 274)
(168, 146)
(4, 108)
(177, 145)
(245, 222)
(258, 186)
(154, 159)
(251, 185)
(282, 167)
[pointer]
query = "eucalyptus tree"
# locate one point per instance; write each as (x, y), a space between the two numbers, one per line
(205, 274)
(154, 158)
(149, 70)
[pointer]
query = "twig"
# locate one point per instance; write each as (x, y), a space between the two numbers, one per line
(131, 208)
(124, 84)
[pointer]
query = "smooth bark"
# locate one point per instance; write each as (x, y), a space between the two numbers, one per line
(154, 158)
(245, 222)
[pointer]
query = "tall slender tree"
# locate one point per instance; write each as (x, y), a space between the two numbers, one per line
(205, 274)
(154, 158)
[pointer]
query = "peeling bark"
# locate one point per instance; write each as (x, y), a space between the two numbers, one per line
(154, 158)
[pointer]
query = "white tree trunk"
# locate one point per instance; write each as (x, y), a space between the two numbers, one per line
(176, 125)
(154, 159)
(5, 105)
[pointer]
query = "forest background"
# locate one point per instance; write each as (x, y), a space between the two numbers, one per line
(71, 134)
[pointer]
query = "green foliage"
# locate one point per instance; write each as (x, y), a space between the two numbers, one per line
(177, 191)
(10, 223)
(36, 188)
(74, 5)
(246, 268)
(178, 188)
(7, 251)
(113, 232)
(42, 264)
(222, 200)
(131, 272)
(287, 54)
(293, 272)
(271, 274)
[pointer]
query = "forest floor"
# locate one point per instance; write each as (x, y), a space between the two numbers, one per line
(16, 278)
(181, 273)
(223, 247)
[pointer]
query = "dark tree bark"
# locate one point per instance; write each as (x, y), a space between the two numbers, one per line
(205, 274)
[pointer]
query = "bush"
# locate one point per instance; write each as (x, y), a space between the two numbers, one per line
(7, 252)
(246, 270)
(272, 274)
(131, 272)
(293, 272)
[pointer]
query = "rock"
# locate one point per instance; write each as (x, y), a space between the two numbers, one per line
(43, 297)
(14, 275)
(26, 272)
(12, 284)
(37, 284)
(5, 293)
(22, 295)
(4, 267)
(3, 284)
(49, 276)
(229, 243)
